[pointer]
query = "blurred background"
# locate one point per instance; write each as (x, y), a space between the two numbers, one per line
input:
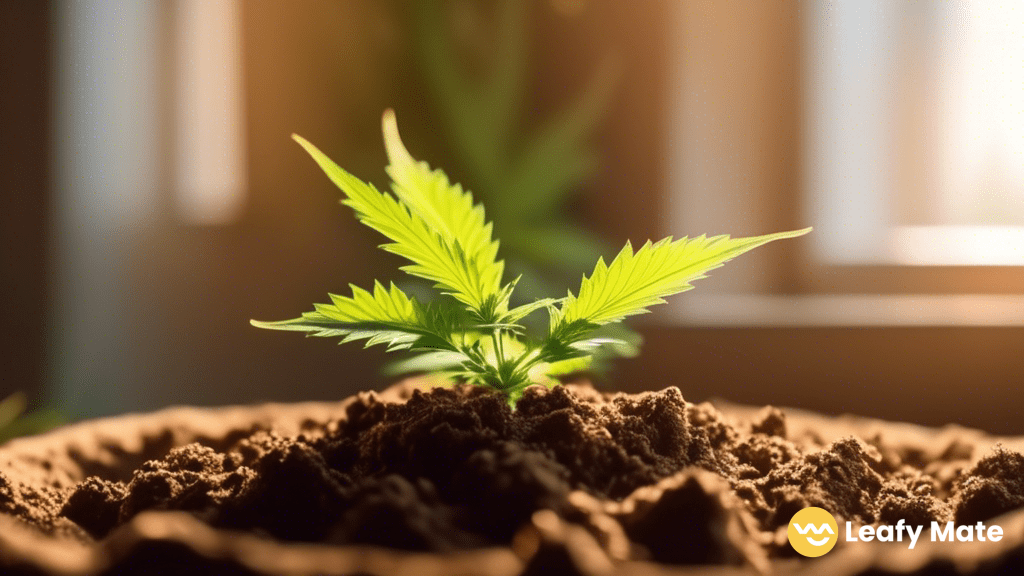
(153, 201)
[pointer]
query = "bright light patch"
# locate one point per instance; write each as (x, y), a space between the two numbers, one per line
(958, 245)
(210, 161)
(982, 111)
(915, 143)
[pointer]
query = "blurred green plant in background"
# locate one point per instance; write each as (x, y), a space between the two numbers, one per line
(524, 175)
(524, 179)
(14, 422)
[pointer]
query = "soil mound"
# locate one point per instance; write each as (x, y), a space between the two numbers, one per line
(573, 481)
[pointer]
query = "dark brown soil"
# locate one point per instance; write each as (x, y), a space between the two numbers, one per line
(573, 481)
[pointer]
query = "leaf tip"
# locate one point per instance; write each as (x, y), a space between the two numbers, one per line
(307, 146)
(397, 154)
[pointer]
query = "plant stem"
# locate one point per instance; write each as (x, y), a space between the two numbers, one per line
(499, 352)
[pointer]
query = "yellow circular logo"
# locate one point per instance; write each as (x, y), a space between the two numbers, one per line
(813, 532)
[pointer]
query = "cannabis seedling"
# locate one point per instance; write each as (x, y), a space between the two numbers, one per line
(436, 226)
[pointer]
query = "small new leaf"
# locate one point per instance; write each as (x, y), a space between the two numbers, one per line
(473, 336)
(519, 312)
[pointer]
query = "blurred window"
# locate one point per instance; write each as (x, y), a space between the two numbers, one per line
(147, 131)
(894, 127)
(144, 87)
(915, 132)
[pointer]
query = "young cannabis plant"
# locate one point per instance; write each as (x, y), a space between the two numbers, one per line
(435, 225)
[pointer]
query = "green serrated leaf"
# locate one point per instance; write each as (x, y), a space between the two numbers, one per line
(387, 316)
(636, 281)
(467, 276)
(445, 208)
